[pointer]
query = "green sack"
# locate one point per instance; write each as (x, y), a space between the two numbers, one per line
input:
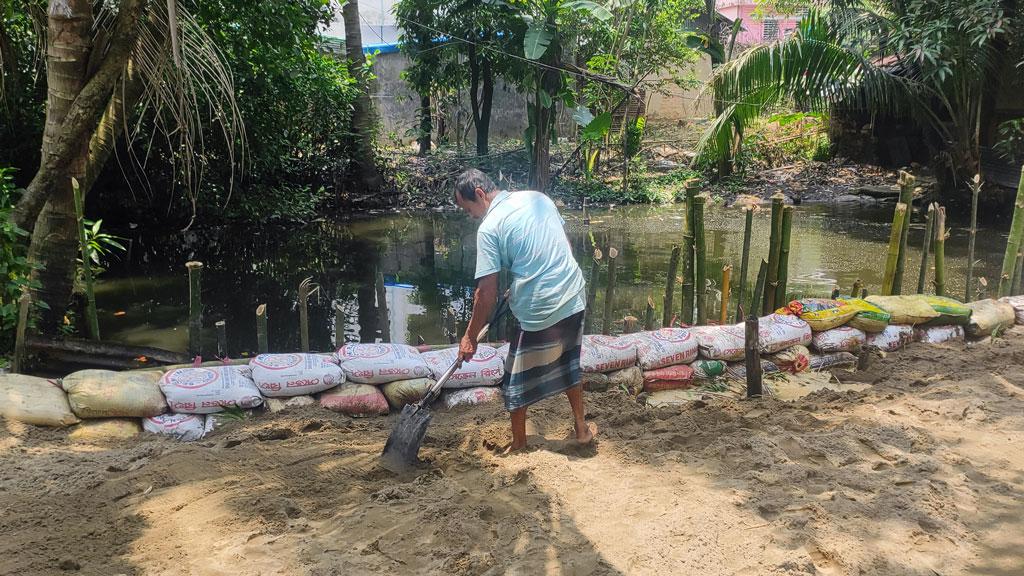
(869, 318)
(951, 312)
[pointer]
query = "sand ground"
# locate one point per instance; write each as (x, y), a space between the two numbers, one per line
(922, 473)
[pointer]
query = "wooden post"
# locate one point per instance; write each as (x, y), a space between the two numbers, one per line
(24, 304)
(774, 253)
(304, 291)
(1013, 242)
(975, 189)
(895, 235)
(857, 286)
(926, 247)
(940, 251)
(91, 316)
(783, 279)
(630, 324)
(586, 216)
(222, 338)
(753, 357)
(835, 293)
(649, 315)
(595, 273)
(670, 285)
(723, 316)
(762, 277)
(262, 343)
(700, 261)
(609, 293)
(906, 182)
(688, 253)
(339, 323)
(748, 225)
(195, 308)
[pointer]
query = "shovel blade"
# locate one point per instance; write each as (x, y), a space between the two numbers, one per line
(401, 451)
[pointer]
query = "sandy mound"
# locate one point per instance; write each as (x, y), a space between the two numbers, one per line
(922, 473)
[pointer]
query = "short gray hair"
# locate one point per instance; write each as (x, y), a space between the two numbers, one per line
(472, 179)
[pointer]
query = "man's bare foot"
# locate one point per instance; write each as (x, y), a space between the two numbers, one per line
(587, 435)
(512, 449)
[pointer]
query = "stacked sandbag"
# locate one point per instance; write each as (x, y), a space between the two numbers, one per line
(705, 370)
(909, 310)
(354, 399)
(471, 396)
(894, 337)
(486, 368)
(720, 342)
(109, 394)
(381, 363)
(841, 339)
(869, 318)
(184, 427)
(607, 353)
(34, 401)
(281, 375)
(990, 316)
(938, 334)
(668, 378)
(665, 347)
(630, 379)
(1017, 302)
(106, 430)
(402, 392)
(780, 331)
(820, 313)
(209, 390)
(951, 312)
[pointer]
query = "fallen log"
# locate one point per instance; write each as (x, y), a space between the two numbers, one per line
(99, 352)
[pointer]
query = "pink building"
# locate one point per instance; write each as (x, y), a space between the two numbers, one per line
(757, 29)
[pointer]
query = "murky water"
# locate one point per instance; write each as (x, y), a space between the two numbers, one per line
(408, 278)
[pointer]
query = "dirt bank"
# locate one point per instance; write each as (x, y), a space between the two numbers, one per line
(922, 473)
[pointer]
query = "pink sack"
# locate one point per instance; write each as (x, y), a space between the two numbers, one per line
(607, 353)
(209, 390)
(669, 378)
(486, 368)
(355, 400)
(665, 347)
(294, 374)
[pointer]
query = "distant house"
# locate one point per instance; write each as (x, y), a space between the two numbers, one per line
(767, 26)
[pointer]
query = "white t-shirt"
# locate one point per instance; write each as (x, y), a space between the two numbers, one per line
(522, 232)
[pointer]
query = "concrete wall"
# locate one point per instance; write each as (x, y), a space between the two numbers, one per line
(753, 27)
(679, 104)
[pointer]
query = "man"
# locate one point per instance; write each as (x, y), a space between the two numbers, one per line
(523, 233)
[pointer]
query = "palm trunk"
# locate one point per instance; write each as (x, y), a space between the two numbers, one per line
(362, 112)
(426, 125)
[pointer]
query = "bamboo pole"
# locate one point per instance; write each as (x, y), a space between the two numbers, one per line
(783, 279)
(1013, 242)
(774, 252)
(1015, 285)
(857, 285)
(222, 338)
(339, 323)
(609, 293)
(262, 343)
(940, 251)
(383, 318)
(670, 284)
(748, 224)
(907, 182)
(595, 272)
(752, 356)
(835, 293)
(688, 254)
(305, 288)
(895, 234)
(926, 247)
(649, 315)
(20, 339)
(195, 308)
(975, 190)
(762, 278)
(700, 261)
(91, 317)
(723, 317)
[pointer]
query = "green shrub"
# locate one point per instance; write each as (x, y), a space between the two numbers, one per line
(14, 265)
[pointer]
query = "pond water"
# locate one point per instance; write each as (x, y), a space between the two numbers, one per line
(409, 277)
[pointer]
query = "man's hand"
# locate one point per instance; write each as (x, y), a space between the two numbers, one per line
(467, 348)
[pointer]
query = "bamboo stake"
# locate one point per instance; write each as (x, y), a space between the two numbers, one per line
(649, 315)
(857, 285)
(783, 279)
(895, 234)
(700, 261)
(609, 293)
(688, 253)
(835, 293)
(195, 308)
(774, 252)
(339, 323)
(91, 316)
(926, 246)
(262, 346)
(222, 338)
(670, 284)
(1013, 242)
(906, 182)
(753, 356)
(595, 271)
(762, 276)
(724, 314)
(383, 317)
(304, 291)
(975, 189)
(748, 225)
(630, 324)
(24, 304)
(1015, 285)
(940, 251)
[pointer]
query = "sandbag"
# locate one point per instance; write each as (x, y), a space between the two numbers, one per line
(951, 312)
(471, 396)
(503, 351)
(607, 353)
(1018, 306)
(793, 359)
(833, 360)
(109, 394)
(283, 403)
(911, 309)
(631, 379)
(668, 378)
(779, 331)
(278, 375)
(707, 369)
(841, 339)
(820, 313)
(381, 363)
(105, 430)
(665, 347)
(594, 381)
(402, 392)
(893, 338)
(185, 427)
(486, 368)
(938, 334)
(869, 318)
(34, 401)
(672, 398)
(990, 316)
(209, 390)
(355, 400)
(721, 342)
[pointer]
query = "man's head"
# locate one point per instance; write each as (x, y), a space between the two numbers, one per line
(474, 192)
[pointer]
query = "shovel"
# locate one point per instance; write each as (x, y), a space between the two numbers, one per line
(403, 446)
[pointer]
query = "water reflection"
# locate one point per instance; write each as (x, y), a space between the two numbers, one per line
(409, 278)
